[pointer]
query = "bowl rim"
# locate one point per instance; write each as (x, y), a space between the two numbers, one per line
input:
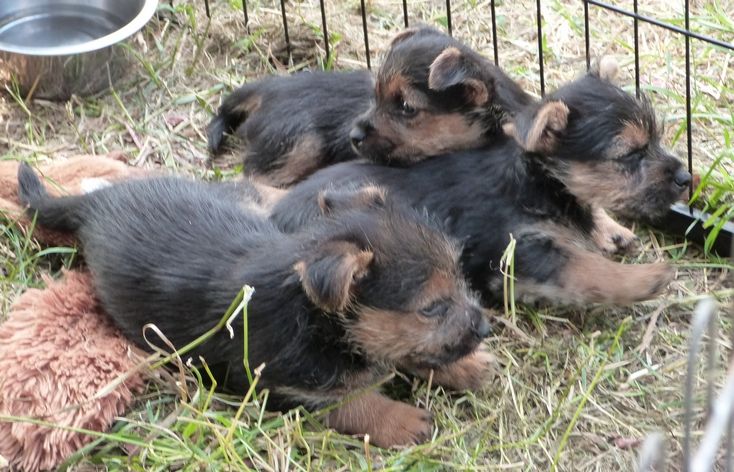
(133, 26)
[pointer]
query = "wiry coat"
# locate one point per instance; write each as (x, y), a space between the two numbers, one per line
(533, 187)
(324, 318)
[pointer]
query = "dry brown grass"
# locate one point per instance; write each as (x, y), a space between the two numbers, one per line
(572, 390)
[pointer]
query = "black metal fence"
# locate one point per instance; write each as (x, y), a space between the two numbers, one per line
(706, 454)
(634, 15)
(679, 220)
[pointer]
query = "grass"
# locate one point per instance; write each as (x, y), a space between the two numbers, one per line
(573, 388)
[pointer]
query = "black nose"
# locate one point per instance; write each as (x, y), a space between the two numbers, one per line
(682, 178)
(483, 328)
(357, 135)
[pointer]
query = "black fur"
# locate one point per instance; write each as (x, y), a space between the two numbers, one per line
(483, 196)
(175, 253)
(324, 104)
(322, 107)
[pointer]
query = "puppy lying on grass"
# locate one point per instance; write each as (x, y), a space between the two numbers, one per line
(586, 147)
(326, 319)
(432, 94)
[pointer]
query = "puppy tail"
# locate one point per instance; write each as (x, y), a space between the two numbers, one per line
(232, 113)
(54, 213)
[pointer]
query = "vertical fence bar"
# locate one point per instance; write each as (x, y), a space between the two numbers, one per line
(405, 13)
(247, 19)
(540, 48)
(325, 30)
(637, 52)
(206, 6)
(689, 123)
(285, 28)
(364, 31)
(494, 33)
(586, 35)
(448, 17)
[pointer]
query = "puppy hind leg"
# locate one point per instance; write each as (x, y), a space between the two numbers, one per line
(570, 274)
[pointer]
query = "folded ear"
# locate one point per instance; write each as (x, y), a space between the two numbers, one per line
(329, 275)
(453, 68)
(403, 35)
(342, 199)
(542, 133)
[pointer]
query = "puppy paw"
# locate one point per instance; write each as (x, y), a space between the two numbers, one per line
(661, 274)
(469, 373)
(613, 238)
(404, 425)
(387, 422)
(620, 240)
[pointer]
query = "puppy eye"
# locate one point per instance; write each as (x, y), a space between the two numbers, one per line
(635, 156)
(406, 108)
(437, 308)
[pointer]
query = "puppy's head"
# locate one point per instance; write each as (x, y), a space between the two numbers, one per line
(394, 281)
(603, 144)
(432, 94)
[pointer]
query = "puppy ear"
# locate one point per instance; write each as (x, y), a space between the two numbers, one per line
(606, 69)
(334, 200)
(452, 68)
(543, 133)
(403, 35)
(329, 275)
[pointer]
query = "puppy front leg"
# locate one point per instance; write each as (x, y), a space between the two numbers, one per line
(388, 422)
(610, 236)
(570, 274)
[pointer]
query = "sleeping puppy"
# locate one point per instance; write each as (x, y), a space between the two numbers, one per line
(432, 94)
(325, 318)
(542, 185)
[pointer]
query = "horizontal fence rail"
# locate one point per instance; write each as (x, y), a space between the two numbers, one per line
(719, 409)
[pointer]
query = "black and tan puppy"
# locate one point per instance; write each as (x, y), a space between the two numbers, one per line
(326, 318)
(588, 146)
(432, 94)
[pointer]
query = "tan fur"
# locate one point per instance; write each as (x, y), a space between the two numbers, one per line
(610, 236)
(431, 134)
(394, 336)
(552, 117)
(402, 36)
(449, 59)
(393, 87)
(598, 184)
(634, 135)
(364, 197)
(298, 163)
(447, 62)
(387, 422)
(478, 93)
(608, 69)
(250, 105)
(354, 265)
(439, 285)
(270, 195)
(57, 350)
(588, 277)
(470, 373)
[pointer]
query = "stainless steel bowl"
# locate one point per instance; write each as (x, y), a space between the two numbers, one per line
(55, 48)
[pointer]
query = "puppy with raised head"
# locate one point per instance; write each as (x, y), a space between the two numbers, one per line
(432, 94)
(587, 146)
(325, 319)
